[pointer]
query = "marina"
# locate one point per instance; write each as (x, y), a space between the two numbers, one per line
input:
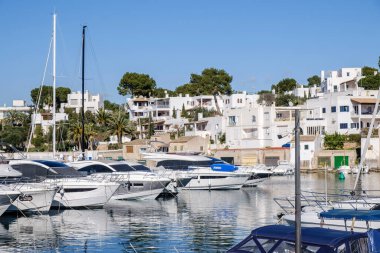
(194, 221)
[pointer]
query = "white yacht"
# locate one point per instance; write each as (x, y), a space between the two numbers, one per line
(34, 197)
(74, 189)
(204, 173)
(283, 168)
(7, 196)
(137, 181)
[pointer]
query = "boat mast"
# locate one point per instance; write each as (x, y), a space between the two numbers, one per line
(83, 47)
(54, 83)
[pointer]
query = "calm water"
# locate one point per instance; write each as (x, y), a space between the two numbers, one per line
(196, 221)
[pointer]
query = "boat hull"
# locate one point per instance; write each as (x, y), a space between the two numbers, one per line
(33, 200)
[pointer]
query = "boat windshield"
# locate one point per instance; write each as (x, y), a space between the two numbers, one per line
(140, 168)
(52, 164)
(183, 164)
(122, 167)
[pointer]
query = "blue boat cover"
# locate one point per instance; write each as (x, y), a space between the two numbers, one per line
(348, 214)
(223, 167)
(374, 240)
(310, 235)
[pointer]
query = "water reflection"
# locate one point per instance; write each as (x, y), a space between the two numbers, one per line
(196, 221)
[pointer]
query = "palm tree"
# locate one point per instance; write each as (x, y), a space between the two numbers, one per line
(120, 125)
(102, 117)
(90, 134)
(75, 133)
(15, 118)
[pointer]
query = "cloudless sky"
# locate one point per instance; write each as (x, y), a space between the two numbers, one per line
(257, 42)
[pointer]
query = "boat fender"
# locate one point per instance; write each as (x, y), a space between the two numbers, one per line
(61, 192)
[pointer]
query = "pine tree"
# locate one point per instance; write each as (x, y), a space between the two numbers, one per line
(183, 111)
(174, 113)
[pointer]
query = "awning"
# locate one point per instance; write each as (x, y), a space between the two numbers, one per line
(349, 214)
(364, 100)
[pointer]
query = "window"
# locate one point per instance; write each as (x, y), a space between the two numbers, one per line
(344, 108)
(368, 124)
(343, 125)
(253, 118)
(335, 88)
(323, 110)
(129, 149)
(201, 148)
(266, 115)
(348, 74)
(333, 108)
(96, 168)
(306, 147)
(355, 125)
(232, 120)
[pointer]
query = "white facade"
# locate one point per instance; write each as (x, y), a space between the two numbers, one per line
(309, 147)
(258, 126)
(92, 103)
(345, 112)
(46, 119)
(17, 105)
(340, 80)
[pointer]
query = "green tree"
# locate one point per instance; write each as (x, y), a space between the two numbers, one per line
(150, 126)
(136, 84)
(75, 133)
(183, 111)
(38, 138)
(266, 97)
(111, 106)
(314, 80)
(334, 141)
(209, 82)
(61, 95)
(16, 118)
(161, 93)
(285, 100)
(102, 117)
(120, 125)
(284, 85)
(174, 113)
(368, 71)
(370, 82)
(14, 135)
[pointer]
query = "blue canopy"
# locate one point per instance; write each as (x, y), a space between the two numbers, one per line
(344, 214)
(223, 167)
(310, 235)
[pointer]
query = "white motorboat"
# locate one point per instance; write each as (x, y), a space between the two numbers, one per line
(258, 174)
(34, 197)
(344, 169)
(137, 181)
(355, 170)
(7, 196)
(315, 218)
(283, 168)
(204, 173)
(75, 190)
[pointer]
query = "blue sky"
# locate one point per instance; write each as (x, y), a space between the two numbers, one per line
(257, 42)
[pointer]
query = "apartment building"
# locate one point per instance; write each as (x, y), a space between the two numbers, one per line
(92, 103)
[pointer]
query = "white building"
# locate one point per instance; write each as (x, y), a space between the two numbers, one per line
(17, 105)
(310, 145)
(344, 112)
(46, 119)
(92, 103)
(340, 80)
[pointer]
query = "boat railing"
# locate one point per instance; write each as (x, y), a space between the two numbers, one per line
(325, 202)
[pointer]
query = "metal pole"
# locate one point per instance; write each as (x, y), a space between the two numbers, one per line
(54, 84)
(83, 50)
(297, 181)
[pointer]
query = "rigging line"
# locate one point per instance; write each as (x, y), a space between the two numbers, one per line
(96, 60)
(32, 127)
